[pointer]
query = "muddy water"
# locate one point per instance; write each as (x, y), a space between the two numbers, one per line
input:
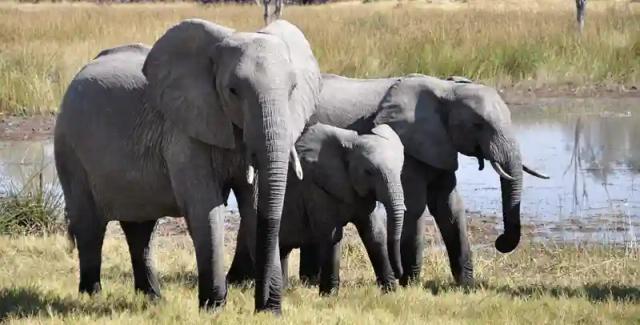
(589, 147)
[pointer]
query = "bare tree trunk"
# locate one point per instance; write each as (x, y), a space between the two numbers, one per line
(581, 8)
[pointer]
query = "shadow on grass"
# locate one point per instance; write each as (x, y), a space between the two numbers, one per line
(596, 292)
(22, 302)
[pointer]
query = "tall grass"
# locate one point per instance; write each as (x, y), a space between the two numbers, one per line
(42, 46)
(534, 285)
(32, 207)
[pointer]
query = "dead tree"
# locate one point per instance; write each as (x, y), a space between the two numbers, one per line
(581, 8)
(277, 12)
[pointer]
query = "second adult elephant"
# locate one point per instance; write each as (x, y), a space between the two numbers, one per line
(145, 133)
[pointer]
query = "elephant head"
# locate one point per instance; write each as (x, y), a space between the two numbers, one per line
(438, 118)
(347, 166)
(209, 81)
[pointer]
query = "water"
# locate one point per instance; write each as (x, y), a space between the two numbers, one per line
(589, 147)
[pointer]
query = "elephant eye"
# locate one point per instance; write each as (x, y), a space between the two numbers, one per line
(233, 91)
(368, 172)
(478, 125)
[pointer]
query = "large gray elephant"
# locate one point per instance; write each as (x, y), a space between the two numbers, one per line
(436, 119)
(345, 174)
(168, 131)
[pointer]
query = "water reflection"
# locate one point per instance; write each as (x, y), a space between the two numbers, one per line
(592, 154)
(589, 147)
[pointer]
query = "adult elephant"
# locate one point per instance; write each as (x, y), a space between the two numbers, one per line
(145, 133)
(436, 119)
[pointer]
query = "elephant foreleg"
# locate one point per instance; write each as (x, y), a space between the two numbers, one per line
(309, 268)
(448, 210)
(207, 232)
(243, 265)
(200, 196)
(329, 254)
(374, 238)
(138, 235)
(284, 264)
(414, 182)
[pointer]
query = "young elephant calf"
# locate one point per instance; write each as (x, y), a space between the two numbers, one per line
(344, 175)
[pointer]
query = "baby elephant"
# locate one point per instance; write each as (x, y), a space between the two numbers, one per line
(344, 175)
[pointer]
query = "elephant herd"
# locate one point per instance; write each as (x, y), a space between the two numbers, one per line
(169, 130)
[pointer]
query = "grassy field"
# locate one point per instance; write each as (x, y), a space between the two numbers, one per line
(536, 284)
(505, 43)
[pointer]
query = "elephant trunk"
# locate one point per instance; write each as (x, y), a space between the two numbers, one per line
(511, 186)
(273, 162)
(395, 208)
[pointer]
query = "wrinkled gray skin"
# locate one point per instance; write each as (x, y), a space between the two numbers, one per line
(345, 173)
(436, 119)
(169, 131)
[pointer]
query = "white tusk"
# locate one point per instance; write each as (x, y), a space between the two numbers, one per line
(296, 163)
(501, 172)
(251, 174)
(533, 172)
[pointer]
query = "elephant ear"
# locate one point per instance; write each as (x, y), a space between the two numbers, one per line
(322, 150)
(179, 69)
(413, 109)
(306, 93)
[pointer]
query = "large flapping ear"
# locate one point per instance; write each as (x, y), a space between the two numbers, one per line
(323, 150)
(181, 78)
(413, 108)
(305, 95)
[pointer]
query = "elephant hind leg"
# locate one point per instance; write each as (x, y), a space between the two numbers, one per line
(138, 236)
(86, 224)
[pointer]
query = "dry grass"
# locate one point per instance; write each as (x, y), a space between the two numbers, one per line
(536, 284)
(503, 43)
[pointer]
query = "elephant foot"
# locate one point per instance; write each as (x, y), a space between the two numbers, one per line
(328, 291)
(214, 301)
(151, 294)
(409, 279)
(466, 281)
(387, 286)
(309, 280)
(212, 305)
(90, 288)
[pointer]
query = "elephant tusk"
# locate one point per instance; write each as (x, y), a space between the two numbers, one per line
(501, 171)
(251, 171)
(533, 172)
(251, 174)
(296, 163)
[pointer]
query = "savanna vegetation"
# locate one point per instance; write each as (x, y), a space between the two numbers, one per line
(504, 43)
(537, 284)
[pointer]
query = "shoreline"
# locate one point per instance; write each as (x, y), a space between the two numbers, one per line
(40, 127)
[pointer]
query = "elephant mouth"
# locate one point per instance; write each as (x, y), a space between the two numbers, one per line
(500, 170)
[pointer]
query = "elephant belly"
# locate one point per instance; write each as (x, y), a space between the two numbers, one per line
(133, 196)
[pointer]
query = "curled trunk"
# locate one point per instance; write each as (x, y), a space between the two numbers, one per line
(511, 195)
